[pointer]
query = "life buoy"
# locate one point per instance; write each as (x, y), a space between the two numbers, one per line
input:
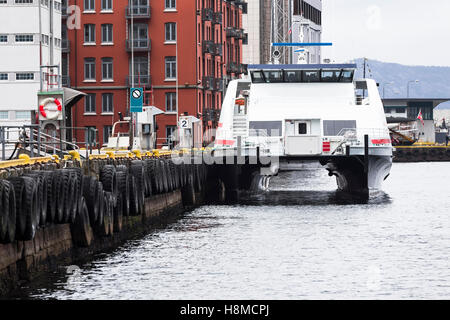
(47, 113)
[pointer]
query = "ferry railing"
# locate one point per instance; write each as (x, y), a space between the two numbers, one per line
(355, 136)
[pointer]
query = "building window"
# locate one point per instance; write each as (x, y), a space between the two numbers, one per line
(3, 76)
(89, 103)
(25, 76)
(58, 6)
(107, 131)
(89, 5)
(107, 5)
(107, 33)
(23, 115)
(107, 68)
(171, 34)
(107, 103)
(171, 4)
(171, 102)
(3, 37)
(170, 135)
(4, 115)
(89, 69)
(3, 1)
(23, 1)
(90, 134)
(89, 33)
(24, 38)
(171, 68)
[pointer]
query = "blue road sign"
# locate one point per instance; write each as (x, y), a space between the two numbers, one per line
(136, 99)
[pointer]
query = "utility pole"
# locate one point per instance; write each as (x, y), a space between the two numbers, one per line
(131, 132)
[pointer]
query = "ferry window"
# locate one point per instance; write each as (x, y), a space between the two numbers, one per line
(274, 76)
(311, 76)
(347, 76)
(265, 128)
(257, 77)
(335, 127)
(293, 76)
(302, 128)
(330, 76)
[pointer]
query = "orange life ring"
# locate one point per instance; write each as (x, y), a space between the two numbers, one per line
(43, 111)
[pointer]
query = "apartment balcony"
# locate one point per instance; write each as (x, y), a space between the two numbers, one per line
(233, 32)
(139, 12)
(218, 49)
(218, 85)
(65, 81)
(65, 45)
(139, 45)
(139, 81)
(211, 114)
(217, 18)
(232, 67)
(207, 14)
(209, 47)
(208, 83)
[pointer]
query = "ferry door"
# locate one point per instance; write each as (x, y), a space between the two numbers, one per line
(299, 139)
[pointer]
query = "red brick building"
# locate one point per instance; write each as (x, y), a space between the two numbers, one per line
(185, 49)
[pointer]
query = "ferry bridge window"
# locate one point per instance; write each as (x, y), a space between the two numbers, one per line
(274, 76)
(311, 76)
(265, 128)
(293, 76)
(347, 76)
(257, 77)
(330, 76)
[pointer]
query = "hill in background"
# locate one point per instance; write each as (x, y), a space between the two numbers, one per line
(434, 81)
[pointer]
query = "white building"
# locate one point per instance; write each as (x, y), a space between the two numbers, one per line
(30, 36)
(300, 16)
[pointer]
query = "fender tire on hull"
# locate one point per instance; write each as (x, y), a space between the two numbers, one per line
(118, 215)
(28, 206)
(91, 196)
(124, 191)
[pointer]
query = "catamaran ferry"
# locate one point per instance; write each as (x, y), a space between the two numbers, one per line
(310, 113)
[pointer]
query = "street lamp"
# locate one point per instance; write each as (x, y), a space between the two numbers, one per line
(384, 87)
(412, 81)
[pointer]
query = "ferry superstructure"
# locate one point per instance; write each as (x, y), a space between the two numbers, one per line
(310, 112)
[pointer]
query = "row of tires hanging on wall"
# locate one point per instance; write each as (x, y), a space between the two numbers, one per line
(91, 204)
(422, 154)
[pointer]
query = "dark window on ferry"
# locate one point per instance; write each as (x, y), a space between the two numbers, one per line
(347, 76)
(330, 76)
(265, 128)
(293, 76)
(257, 77)
(335, 127)
(302, 128)
(274, 76)
(311, 76)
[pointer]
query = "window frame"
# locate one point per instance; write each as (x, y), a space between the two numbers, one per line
(108, 97)
(92, 63)
(171, 99)
(90, 99)
(107, 62)
(91, 28)
(170, 29)
(107, 29)
(170, 73)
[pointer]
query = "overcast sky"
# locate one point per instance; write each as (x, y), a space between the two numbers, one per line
(413, 32)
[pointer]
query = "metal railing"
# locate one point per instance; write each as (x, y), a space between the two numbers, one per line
(140, 11)
(32, 139)
(139, 45)
(355, 136)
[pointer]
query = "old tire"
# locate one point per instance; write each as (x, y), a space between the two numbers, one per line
(91, 196)
(118, 215)
(81, 228)
(124, 191)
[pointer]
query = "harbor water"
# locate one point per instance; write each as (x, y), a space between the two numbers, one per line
(300, 240)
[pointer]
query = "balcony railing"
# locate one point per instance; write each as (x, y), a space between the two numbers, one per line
(65, 45)
(65, 81)
(233, 32)
(217, 17)
(211, 114)
(64, 14)
(218, 84)
(207, 14)
(139, 12)
(208, 46)
(208, 83)
(139, 80)
(218, 49)
(139, 45)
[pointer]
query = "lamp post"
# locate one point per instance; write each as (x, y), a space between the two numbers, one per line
(407, 90)
(384, 87)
